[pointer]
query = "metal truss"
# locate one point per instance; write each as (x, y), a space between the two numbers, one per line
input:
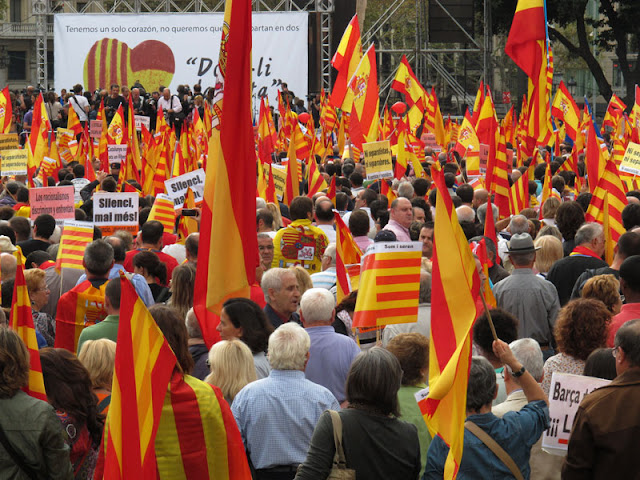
(430, 62)
(44, 9)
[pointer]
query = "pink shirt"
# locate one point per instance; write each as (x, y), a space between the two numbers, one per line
(402, 234)
(630, 311)
(363, 242)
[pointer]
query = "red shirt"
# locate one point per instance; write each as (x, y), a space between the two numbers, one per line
(630, 311)
(168, 260)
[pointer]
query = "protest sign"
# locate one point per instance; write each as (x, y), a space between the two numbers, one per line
(484, 157)
(177, 187)
(95, 128)
(14, 162)
(631, 160)
(377, 159)
(142, 120)
(116, 211)
(117, 153)
(55, 201)
(279, 174)
(9, 141)
(565, 395)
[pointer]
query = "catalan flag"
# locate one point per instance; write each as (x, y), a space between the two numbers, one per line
(347, 253)
(433, 122)
(346, 60)
(21, 321)
(267, 136)
(389, 285)
(316, 180)
(6, 110)
(519, 195)
(143, 367)
(606, 207)
(164, 212)
(292, 188)
(75, 238)
(455, 286)
(480, 249)
(614, 113)
(228, 210)
(73, 122)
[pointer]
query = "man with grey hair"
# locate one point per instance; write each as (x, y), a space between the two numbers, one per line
(423, 325)
(327, 277)
(280, 288)
(466, 214)
(516, 433)
(331, 353)
(197, 348)
(519, 224)
(260, 203)
(528, 353)
(587, 254)
(530, 298)
(277, 415)
(405, 189)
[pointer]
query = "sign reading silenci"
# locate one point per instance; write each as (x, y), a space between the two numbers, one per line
(55, 201)
(177, 187)
(565, 394)
(116, 211)
(377, 159)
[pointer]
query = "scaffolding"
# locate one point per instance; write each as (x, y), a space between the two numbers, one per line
(455, 69)
(43, 11)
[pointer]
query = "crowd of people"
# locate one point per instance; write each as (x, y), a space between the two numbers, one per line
(289, 356)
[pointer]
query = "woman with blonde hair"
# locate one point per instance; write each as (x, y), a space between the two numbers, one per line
(549, 209)
(99, 358)
(39, 297)
(232, 367)
(605, 288)
(277, 217)
(549, 253)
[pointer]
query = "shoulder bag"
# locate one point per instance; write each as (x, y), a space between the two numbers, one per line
(339, 470)
(17, 458)
(495, 448)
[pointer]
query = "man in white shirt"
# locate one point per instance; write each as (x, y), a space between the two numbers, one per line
(170, 105)
(325, 219)
(80, 104)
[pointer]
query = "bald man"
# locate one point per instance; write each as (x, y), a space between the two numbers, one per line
(480, 196)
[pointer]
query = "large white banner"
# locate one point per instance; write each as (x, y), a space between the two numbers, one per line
(174, 49)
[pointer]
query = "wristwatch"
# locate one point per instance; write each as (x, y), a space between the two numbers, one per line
(519, 373)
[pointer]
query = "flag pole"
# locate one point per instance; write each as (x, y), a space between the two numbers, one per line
(486, 310)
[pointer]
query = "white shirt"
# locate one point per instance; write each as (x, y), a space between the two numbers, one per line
(79, 102)
(329, 232)
(172, 104)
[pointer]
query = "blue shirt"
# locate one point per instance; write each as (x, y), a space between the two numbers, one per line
(516, 433)
(277, 416)
(325, 279)
(330, 358)
(138, 282)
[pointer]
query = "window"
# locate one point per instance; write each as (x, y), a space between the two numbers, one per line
(17, 65)
(15, 9)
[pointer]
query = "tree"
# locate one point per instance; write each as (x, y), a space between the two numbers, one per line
(616, 32)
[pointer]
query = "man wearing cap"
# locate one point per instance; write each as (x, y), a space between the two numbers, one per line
(530, 298)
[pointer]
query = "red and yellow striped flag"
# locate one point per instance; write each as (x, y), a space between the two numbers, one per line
(347, 253)
(163, 211)
(433, 122)
(606, 207)
(73, 122)
(331, 191)
(316, 180)
(38, 138)
(389, 285)
(228, 210)
(75, 238)
(267, 136)
(143, 366)
(6, 110)
(21, 321)
(519, 195)
(455, 286)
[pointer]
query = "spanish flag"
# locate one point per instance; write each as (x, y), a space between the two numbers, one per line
(363, 86)
(267, 137)
(455, 286)
(406, 82)
(347, 253)
(21, 321)
(143, 367)
(228, 242)
(346, 60)
(389, 285)
(564, 108)
(38, 138)
(6, 110)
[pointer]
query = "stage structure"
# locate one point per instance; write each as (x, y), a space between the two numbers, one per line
(320, 21)
(443, 48)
